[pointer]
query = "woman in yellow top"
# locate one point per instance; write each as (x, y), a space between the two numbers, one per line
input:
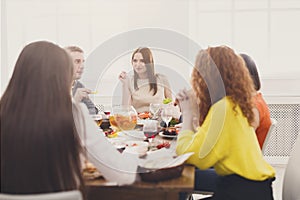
(225, 139)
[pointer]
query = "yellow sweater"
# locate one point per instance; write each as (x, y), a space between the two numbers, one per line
(226, 141)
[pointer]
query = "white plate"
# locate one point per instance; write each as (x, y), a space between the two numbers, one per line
(166, 136)
(136, 147)
(134, 134)
(135, 143)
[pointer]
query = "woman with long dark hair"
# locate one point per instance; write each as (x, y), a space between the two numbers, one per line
(43, 130)
(145, 86)
(39, 144)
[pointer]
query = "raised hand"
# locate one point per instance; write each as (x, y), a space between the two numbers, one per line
(81, 93)
(123, 77)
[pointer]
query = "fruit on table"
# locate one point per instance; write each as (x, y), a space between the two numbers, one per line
(167, 100)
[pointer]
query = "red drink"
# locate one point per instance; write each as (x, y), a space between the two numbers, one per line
(150, 134)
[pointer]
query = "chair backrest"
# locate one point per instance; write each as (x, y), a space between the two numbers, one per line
(291, 180)
(66, 195)
(272, 127)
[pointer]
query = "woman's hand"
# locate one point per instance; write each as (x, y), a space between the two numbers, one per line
(123, 77)
(189, 108)
(184, 101)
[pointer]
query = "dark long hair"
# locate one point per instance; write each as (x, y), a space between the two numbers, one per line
(149, 62)
(39, 143)
(250, 64)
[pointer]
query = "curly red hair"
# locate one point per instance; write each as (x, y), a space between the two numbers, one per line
(219, 72)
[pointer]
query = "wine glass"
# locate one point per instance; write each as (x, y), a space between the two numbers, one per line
(150, 129)
(166, 115)
(154, 109)
(107, 110)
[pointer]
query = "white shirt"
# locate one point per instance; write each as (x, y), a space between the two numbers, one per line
(114, 166)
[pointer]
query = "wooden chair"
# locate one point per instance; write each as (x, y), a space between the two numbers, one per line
(65, 195)
(272, 127)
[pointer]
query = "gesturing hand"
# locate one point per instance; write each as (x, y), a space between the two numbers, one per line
(123, 77)
(81, 93)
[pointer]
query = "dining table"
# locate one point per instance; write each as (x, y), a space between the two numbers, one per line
(171, 189)
(162, 190)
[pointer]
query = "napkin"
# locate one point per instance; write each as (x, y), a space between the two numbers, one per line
(163, 158)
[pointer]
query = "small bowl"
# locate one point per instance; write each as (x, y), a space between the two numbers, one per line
(138, 147)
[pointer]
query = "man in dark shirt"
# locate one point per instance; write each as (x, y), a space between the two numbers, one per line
(79, 92)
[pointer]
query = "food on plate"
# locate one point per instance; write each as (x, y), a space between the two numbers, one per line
(89, 168)
(136, 143)
(144, 115)
(133, 145)
(172, 123)
(110, 133)
(171, 131)
(90, 171)
(164, 144)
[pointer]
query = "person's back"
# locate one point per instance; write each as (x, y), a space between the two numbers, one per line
(264, 118)
(262, 112)
(39, 145)
(225, 140)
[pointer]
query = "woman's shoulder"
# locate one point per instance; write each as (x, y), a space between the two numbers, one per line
(226, 104)
(161, 77)
(158, 75)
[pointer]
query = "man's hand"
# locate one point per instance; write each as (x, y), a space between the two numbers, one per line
(81, 93)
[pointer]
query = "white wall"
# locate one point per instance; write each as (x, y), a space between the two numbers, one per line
(267, 30)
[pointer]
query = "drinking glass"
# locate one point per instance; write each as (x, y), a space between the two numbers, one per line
(154, 109)
(107, 110)
(150, 129)
(166, 115)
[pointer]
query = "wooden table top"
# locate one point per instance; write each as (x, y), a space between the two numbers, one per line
(185, 181)
(169, 189)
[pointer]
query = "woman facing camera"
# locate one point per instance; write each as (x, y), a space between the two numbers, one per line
(145, 86)
(225, 139)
